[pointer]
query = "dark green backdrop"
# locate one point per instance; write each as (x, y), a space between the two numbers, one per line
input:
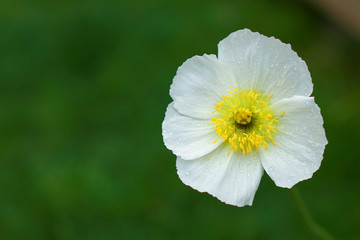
(83, 90)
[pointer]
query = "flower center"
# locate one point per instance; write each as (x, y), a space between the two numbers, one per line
(244, 120)
(243, 116)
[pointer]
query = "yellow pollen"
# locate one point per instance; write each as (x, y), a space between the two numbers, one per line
(245, 120)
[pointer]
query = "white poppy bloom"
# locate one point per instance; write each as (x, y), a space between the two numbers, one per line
(247, 110)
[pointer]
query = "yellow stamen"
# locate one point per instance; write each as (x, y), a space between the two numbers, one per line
(245, 120)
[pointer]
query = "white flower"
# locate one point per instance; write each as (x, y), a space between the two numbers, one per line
(247, 110)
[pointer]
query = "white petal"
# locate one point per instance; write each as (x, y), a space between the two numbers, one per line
(188, 137)
(301, 142)
(265, 64)
(232, 178)
(199, 84)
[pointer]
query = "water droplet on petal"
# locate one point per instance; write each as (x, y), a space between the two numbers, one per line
(187, 173)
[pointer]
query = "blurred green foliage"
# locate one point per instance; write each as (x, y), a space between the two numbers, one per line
(83, 91)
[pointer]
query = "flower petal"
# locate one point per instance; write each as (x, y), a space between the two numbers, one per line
(300, 142)
(199, 84)
(188, 137)
(265, 64)
(232, 178)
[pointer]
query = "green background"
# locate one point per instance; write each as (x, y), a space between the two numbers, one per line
(83, 90)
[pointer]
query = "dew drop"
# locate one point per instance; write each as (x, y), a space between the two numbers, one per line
(187, 173)
(271, 169)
